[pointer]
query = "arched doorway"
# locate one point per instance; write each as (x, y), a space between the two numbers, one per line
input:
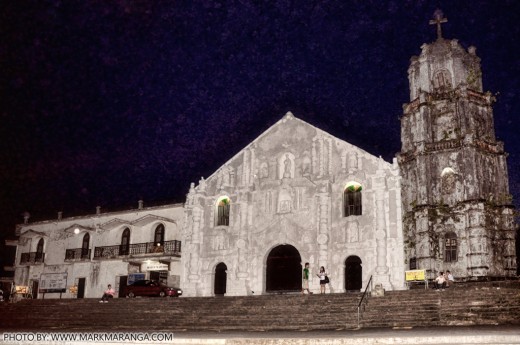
(220, 279)
(353, 274)
(283, 269)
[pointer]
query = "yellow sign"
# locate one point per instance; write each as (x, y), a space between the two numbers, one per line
(21, 289)
(73, 289)
(415, 275)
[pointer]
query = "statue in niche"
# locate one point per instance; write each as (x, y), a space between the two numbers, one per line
(202, 184)
(191, 194)
(352, 161)
(264, 170)
(448, 181)
(287, 167)
(306, 166)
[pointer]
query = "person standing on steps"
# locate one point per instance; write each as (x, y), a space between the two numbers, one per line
(305, 279)
(324, 279)
(109, 293)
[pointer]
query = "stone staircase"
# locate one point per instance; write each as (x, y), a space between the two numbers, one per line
(254, 313)
(464, 305)
(484, 305)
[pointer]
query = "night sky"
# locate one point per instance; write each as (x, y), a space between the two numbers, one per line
(108, 102)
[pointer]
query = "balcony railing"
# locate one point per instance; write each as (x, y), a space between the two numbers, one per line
(166, 248)
(77, 254)
(32, 258)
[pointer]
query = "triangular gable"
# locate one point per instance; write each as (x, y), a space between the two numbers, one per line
(114, 223)
(150, 218)
(290, 117)
(73, 227)
(33, 233)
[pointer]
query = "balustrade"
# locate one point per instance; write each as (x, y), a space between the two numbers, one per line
(170, 248)
(32, 258)
(77, 254)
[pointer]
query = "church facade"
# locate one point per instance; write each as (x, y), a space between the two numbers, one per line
(297, 194)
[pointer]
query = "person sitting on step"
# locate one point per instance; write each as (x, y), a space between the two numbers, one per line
(449, 279)
(109, 293)
(440, 282)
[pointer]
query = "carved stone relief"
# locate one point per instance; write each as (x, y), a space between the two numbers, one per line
(306, 165)
(264, 170)
(442, 79)
(352, 234)
(220, 241)
(286, 166)
(285, 202)
(352, 162)
(448, 181)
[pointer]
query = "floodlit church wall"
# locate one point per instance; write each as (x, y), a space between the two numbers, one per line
(287, 188)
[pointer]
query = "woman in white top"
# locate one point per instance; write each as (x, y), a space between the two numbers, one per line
(324, 279)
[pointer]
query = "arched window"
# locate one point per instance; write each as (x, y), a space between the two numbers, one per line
(450, 247)
(39, 251)
(125, 242)
(352, 199)
(222, 212)
(158, 239)
(84, 246)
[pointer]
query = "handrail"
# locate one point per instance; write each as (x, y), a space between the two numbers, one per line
(363, 299)
(171, 248)
(77, 254)
(32, 258)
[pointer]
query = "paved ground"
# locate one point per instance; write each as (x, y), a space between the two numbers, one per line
(438, 335)
(435, 335)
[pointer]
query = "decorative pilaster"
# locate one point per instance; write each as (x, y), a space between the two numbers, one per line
(382, 271)
(323, 227)
(195, 246)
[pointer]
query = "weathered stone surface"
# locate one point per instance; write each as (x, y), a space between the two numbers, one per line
(286, 187)
(455, 187)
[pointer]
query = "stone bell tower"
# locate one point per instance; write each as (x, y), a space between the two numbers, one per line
(457, 210)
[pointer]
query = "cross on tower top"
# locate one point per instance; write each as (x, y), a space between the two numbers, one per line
(438, 20)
